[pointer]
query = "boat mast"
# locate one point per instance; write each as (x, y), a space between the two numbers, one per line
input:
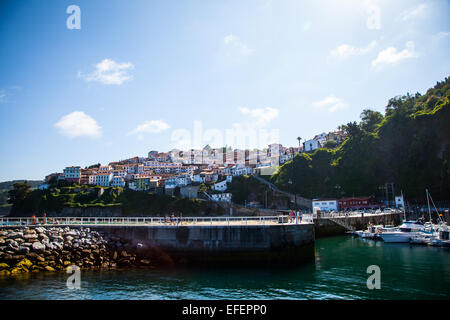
(429, 211)
(437, 211)
(404, 211)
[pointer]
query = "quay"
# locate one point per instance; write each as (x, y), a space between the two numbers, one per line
(199, 240)
(221, 240)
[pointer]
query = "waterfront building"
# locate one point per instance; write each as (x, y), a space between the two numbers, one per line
(325, 205)
(359, 203)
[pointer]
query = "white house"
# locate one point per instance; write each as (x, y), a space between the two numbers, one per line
(325, 204)
(221, 197)
(101, 179)
(322, 138)
(229, 178)
(285, 158)
(240, 170)
(183, 180)
(220, 186)
(198, 178)
(311, 145)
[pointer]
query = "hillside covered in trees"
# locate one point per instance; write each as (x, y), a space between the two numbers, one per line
(409, 145)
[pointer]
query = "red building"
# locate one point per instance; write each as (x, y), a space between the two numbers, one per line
(358, 203)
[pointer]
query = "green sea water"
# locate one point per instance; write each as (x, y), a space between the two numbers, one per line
(339, 272)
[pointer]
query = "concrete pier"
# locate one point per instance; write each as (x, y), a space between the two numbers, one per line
(221, 244)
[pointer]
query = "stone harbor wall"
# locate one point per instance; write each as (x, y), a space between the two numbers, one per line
(223, 245)
(24, 250)
(37, 249)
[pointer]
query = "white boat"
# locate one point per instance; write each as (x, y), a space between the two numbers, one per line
(396, 236)
(372, 232)
(423, 239)
(411, 226)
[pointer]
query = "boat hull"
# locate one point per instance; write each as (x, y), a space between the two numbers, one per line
(396, 237)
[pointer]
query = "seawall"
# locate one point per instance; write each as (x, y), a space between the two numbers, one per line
(237, 244)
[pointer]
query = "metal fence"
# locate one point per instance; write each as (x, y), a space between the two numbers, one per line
(155, 221)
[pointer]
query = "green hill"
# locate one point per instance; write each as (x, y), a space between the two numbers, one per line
(408, 145)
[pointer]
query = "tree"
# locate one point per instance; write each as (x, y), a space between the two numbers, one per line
(370, 120)
(330, 144)
(203, 188)
(19, 193)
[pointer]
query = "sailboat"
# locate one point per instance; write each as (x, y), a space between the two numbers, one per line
(404, 232)
(441, 233)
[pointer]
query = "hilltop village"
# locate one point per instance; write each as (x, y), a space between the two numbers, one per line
(182, 173)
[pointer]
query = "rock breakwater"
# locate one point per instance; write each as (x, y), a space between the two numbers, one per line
(36, 249)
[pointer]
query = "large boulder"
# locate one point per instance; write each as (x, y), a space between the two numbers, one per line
(37, 246)
(30, 236)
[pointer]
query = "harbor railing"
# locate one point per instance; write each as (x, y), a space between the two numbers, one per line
(150, 221)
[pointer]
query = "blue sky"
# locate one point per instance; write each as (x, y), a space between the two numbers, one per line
(139, 73)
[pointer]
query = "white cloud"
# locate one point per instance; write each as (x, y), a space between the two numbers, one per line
(346, 50)
(391, 55)
(151, 126)
(235, 44)
(418, 12)
(108, 71)
(262, 116)
(77, 124)
(331, 103)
